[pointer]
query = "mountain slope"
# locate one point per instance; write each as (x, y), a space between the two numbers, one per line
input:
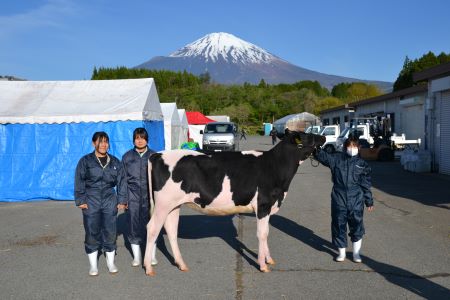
(230, 60)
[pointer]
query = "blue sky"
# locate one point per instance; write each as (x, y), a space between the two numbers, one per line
(65, 39)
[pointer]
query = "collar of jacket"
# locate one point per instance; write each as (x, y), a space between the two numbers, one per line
(108, 159)
(141, 153)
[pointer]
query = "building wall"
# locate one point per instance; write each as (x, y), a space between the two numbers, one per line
(437, 123)
(340, 115)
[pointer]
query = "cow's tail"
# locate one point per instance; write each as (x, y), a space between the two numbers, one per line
(150, 190)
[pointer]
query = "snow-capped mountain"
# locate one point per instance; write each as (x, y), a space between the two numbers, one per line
(231, 49)
(231, 60)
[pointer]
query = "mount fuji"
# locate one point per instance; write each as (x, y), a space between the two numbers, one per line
(231, 60)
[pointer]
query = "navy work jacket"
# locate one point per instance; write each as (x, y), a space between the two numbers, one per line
(350, 176)
(135, 169)
(98, 185)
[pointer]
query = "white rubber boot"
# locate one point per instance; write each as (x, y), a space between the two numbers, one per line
(356, 249)
(137, 256)
(110, 262)
(154, 260)
(93, 271)
(341, 256)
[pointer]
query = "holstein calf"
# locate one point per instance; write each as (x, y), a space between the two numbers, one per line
(223, 183)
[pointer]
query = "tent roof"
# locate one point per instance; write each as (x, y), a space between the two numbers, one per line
(183, 117)
(170, 113)
(304, 116)
(196, 117)
(78, 101)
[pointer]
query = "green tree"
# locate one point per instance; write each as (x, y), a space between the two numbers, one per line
(262, 83)
(405, 78)
(326, 103)
(428, 60)
(341, 90)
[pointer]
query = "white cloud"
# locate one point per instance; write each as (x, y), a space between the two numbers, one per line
(49, 15)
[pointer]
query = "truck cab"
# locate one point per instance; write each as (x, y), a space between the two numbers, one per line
(361, 130)
(331, 133)
(375, 144)
(315, 129)
(220, 136)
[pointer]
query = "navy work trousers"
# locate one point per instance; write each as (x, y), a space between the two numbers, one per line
(341, 215)
(100, 227)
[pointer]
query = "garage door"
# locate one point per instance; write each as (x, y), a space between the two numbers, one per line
(444, 166)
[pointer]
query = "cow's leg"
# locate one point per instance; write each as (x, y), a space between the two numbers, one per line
(171, 227)
(153, 229)
(269, 259)
(262, 226)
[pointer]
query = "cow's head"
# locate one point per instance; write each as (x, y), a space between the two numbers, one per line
(305, 142)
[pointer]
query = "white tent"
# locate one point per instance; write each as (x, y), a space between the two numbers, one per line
(47, 126)
(172, 125)
(39, 102)
(184, 126)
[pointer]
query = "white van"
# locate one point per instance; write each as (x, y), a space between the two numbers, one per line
(220, 136)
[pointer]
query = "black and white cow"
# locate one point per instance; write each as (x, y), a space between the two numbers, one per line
(223, 183)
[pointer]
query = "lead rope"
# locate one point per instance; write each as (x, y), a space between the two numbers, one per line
(314, 160)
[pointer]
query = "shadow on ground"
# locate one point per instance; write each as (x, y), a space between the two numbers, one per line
(426, 188)
(417, 284)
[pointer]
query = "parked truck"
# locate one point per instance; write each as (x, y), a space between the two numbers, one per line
(331, 133)
(313, 129)
(376, 138)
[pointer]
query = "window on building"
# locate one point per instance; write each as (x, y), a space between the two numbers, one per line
(336, 121)
(326, 122)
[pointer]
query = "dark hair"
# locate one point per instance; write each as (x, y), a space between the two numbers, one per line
(352, 140)
(100, 135)
(140, 132)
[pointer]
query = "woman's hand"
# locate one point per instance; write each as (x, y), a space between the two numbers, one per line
(370, 208)
(83, 206)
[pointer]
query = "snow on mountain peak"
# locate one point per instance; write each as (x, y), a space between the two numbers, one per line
(228, 47)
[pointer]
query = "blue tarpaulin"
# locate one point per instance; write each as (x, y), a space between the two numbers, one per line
(38, 159)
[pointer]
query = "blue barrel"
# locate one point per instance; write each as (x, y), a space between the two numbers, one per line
(267, 128)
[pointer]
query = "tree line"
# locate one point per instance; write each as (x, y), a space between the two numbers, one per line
(247, 104)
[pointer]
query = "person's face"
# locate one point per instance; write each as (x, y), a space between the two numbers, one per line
(352, 149)
(101, 146)
(140, 142)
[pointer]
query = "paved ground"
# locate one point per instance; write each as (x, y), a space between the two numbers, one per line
(406, 252)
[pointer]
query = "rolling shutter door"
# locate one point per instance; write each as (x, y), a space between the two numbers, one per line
(444, 166)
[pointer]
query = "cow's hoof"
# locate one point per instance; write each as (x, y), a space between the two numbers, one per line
(265, 269)
(150, 272)
(271, 261)
(183, 268)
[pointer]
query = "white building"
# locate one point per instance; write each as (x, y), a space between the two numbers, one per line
(437, 115)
